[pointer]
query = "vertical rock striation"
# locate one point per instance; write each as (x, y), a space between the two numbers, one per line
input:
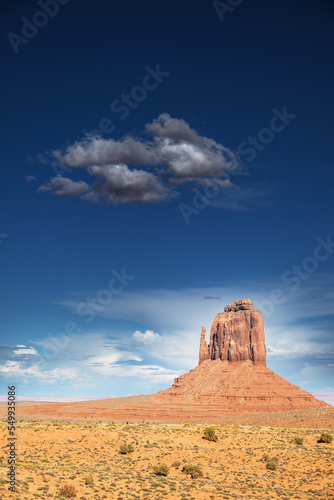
(237, 334)
(203, 347)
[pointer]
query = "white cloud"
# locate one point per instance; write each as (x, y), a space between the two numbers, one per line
(147, 338)
(24, 350)
(112, 359)
(16, 370)
(87, 357)
(154, 373)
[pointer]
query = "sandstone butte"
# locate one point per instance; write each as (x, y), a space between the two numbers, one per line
(232, 378)
(232, 372)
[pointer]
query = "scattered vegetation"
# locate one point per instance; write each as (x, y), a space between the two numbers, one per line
(177, 464)
(210, 434)
(193, 470)
(325, 438)
(126, 448)
(271, 462)
(89, 481)
(161, 470)
(272, 465)
(68, 491)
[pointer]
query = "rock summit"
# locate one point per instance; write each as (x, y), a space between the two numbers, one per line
(237, 334)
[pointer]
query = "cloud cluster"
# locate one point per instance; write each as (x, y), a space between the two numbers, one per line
(86, 358)
(143, 169)
(17, 353)
(147, 338)
(63, 186)
(17, 370)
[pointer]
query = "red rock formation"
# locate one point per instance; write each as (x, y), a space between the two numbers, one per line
(232, 374)
(237, 334)
(203, 347)
(231, 379)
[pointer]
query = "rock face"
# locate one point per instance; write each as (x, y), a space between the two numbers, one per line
(232, 375)
(237, 334)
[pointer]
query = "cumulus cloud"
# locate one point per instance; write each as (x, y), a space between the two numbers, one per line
(62, 186)
(17, 353)
(147, 338)
(94, 150)
(23, 350)
(119, 184)
(188, 155)
(143, 170)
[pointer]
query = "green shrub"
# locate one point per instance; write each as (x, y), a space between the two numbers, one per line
(298, 440)
(193, 470)
(271, 465)
(210, 434)
(126, 448)
(89, 481)
(325, 438)
(267, 458)
(161, 470)
(68, 491)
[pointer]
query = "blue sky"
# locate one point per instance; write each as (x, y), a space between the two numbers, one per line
(159, 162)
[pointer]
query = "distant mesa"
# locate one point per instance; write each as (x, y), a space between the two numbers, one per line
(232, 372)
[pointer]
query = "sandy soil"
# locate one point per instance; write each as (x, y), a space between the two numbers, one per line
(86, 455)
(148, 408)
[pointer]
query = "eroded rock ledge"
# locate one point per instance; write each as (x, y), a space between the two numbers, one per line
(237, 334)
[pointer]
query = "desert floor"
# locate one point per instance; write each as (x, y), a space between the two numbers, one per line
(87, 455)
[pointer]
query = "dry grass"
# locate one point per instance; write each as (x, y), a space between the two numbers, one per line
(84, 457)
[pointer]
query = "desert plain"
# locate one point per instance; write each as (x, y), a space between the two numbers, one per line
(82, 455)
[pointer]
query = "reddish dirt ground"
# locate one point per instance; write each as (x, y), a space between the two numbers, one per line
(149, 409)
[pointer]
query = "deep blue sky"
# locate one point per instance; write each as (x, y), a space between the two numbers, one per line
(223, 79)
